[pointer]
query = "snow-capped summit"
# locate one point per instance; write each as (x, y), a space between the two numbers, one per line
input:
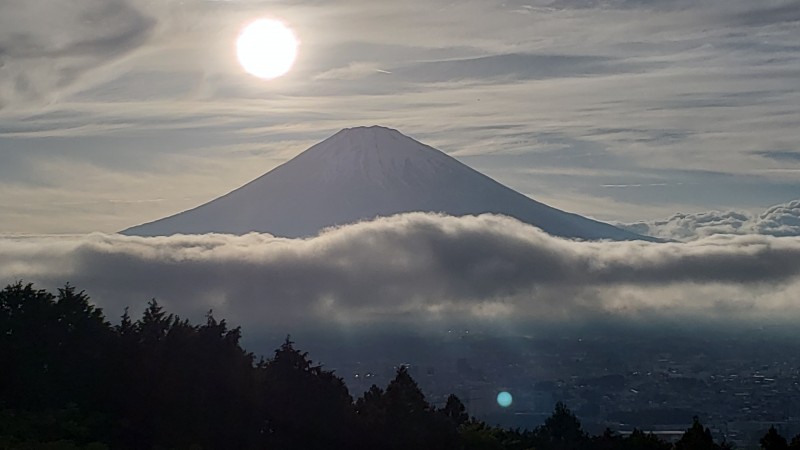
(376, 153)
(362, 173)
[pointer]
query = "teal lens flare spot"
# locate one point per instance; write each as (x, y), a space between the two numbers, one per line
(504, 399)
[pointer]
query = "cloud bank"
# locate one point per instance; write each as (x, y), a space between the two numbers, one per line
(778, 220)
(419, 269)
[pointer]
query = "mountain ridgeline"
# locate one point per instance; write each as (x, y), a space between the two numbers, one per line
(363, 173)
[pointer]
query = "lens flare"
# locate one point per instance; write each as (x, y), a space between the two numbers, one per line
(504, 399)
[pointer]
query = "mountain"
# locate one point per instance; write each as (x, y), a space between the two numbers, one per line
(364, 172)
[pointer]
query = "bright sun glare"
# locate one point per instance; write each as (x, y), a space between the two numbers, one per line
(266, 48)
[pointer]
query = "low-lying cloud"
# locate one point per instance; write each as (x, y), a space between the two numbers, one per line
(418, 268)
(778, 220)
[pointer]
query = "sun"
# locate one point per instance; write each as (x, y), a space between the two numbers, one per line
(266, 48)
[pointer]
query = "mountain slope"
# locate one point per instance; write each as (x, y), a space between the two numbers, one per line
(364, 172)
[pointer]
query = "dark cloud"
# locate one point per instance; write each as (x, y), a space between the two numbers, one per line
(413, 267)
(769, 13)
(110, 27)
(780, 155)
(47, 46)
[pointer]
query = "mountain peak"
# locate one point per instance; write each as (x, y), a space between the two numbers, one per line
(361, 173)
(378, 154)
(369, 138)
(369, 129)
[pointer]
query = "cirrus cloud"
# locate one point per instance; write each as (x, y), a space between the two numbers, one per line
(46, 47)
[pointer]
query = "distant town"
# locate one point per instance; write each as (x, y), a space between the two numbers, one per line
(739, 386)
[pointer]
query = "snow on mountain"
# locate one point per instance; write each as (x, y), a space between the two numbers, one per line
(361, 173)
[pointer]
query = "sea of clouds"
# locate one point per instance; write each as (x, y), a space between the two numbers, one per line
(418, 269)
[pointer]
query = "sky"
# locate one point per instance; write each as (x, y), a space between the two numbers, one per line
(679, 119)
(119, 112)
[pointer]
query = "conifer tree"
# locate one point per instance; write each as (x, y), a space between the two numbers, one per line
(772, 440)
(696, 438)
(455, 410)
(561, 431)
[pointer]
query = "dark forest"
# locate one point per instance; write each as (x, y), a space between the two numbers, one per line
(71, 379)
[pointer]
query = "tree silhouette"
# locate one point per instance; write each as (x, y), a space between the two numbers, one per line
(370, 410)
(405, 402)
(562, 430)
(479, 436)
(83, 338)
(401, 418)
(696, 438)
(455, 410)
(304, 406)
(772, 440)
(639, 440)
(412, 422)
(25, 313)
(181, 384)
(53, 351)
(56, 346)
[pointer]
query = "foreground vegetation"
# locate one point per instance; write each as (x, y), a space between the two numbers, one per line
(70, 380)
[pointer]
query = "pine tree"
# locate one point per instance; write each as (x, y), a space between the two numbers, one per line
(696, 438)
(304, 406)
(455, 410)
(772, 440)
(562, 430)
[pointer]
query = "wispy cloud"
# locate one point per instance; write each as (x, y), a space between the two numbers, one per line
(780, 155)
(352, 71)
(647, 88)
(47, 47)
